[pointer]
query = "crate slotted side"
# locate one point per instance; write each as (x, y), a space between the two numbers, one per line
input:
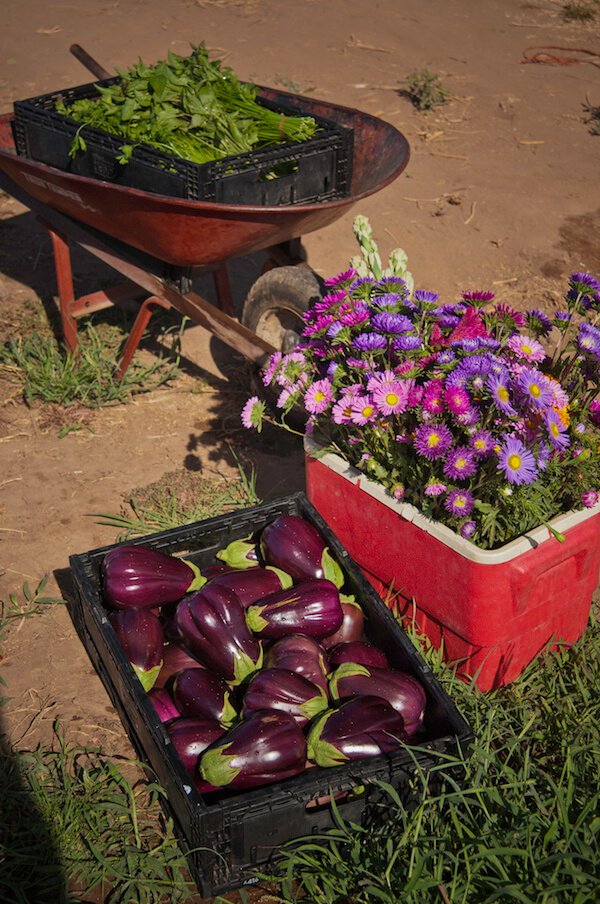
(227, 840)
(321, 166)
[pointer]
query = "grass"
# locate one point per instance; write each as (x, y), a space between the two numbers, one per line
(579, 10)
(425, 90)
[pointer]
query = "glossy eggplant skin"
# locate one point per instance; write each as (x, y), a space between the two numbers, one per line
(191, 737)
(362, 726)
(251, 584)
(139, 577)
(163, 704)
(301, 654)
(202, 693)
(212, 626)
(359, 651)
(311, 607)
(352, 626)
(296, 546)
(284, 690)
(266, 747)
(140, 634)
(400, 689)
(175, 659)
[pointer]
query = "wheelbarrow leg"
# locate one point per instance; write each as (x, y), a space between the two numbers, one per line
(66, 293)
(141, 322)
(223, 289)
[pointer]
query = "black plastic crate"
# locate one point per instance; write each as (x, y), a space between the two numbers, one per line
(228, 840)
(322, 166)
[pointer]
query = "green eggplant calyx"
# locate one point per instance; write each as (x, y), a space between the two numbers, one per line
(254, 620)
(245, 665)
(147, 678)
(322, 752)
(216, 768)
(345, 670)
(236, 553)
(285, 578)
(331, 569)
(199, 579)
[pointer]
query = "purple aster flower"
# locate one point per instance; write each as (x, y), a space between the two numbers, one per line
(562, 316)
(460, 463)
(435, 489)
(557, 431)
(432, 440)
(584, 284)
(459, 502)
(252, 413)
(538, 321)
(498, 388)
(391, 399)
(590, 498)
(425, 296)
(386, 299)
(361, 282)
(334, 329)
(482, 443)
(363, 409)
(318, 396)
(446, 356)
(516, 461)
(468, 529)
(340, 278)
(367, 342)
(587, 342)
(526, 347)
(393, 282)
(537, 387)
(392, 323)
(407, 343)
(467, 345)
(489, 342)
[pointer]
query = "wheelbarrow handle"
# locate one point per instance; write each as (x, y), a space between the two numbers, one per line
(89, 62)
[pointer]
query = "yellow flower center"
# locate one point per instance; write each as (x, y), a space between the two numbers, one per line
(433, 440)
(535, 390)
(503, 393)
(319, 396)
(461, 462)
(459, 501)
(479, 445)
(554, 429)
(514, 462)
(391, 399)
(526, 349)
(368, 410)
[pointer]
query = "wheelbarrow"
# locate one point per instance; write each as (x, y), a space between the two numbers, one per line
(161, 243)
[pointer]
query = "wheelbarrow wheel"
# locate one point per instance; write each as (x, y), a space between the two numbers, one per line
(276, 302)
(273, 311)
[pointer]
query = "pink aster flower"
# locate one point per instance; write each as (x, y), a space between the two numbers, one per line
(363, 409)
(590, 498)
(435, 489)
(252, 413)
(391, 399)
(526, 347)
(272, 367)
(318, 396)
(341, 413)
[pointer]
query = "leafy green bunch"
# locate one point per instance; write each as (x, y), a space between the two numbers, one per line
(191, 107)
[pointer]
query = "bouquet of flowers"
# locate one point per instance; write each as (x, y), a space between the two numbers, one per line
(485, 418)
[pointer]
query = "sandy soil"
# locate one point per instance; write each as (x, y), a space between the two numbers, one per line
(501, 193)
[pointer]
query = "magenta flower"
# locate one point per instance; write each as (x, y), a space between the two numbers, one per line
(517, 462)
(272, 367)
(459, 502)
(340, 278)
(460, 463)
(432, 440)
(433, 397)
(457, 399)
(252, 413)
(590, 498)
(318, 396)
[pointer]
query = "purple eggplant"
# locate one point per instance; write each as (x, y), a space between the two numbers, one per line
(312, 607)
(135, 577)
(359, 651)
(212, 626)
(191, 737)
(252, 584)
(175, 658)
(362, 726)
(140, 634)
(301, 654)
(240, 554)
(296, 546)
(400, 689)
(352, 624)
(162, 702)
(266, 747)
(284, 690)
(199, 692)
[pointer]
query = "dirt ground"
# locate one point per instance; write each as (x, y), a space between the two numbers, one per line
(501, 193)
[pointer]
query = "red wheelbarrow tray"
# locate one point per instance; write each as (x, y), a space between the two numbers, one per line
(196, 233)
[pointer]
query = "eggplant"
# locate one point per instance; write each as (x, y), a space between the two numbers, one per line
(162, 702)
(301, 654)
(293, 544)
(284, 690)
(212, 626)
(140, 634)
(175, 658)
(359, 651)
(252, 584)
(240, 554)
(191, 736)
(312, 608)
(400, 689)
(135, 577)
(199, 692)
(362, 726)
(352, 624)
(266, 747)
